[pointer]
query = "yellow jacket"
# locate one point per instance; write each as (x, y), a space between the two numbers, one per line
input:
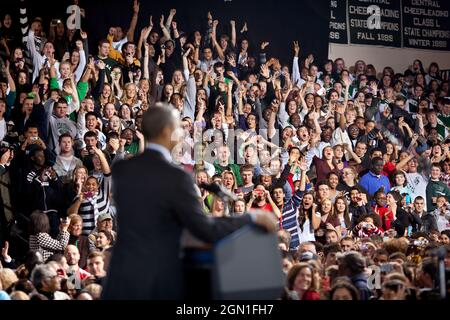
(116, 55)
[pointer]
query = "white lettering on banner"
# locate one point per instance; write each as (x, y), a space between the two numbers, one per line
(423, 22)
(426, 3)
(365, 11)
(389, 26)
(426, 12)
(337, 25)
(335, 35)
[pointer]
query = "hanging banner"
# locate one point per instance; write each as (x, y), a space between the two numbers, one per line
(375, 22)
(419, 24)
(426, 24)
(338, 21)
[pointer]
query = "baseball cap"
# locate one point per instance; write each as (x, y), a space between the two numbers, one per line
(306, 256)
(104, 216)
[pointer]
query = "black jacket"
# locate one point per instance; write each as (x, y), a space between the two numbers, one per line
(145, 262)
(357, 211)
(403, 220)
(427, 222)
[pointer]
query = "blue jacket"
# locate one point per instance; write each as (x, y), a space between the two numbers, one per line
(372, 183)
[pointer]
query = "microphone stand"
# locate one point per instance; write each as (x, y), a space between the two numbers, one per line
(441, 253)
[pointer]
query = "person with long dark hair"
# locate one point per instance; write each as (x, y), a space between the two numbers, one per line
(41, 241)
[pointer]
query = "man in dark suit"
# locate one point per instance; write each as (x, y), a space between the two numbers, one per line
(155, 201)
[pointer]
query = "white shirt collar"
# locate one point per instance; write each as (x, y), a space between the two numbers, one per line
(161, 149)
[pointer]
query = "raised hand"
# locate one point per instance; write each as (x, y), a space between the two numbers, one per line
(197, 38)
(233, 23)
(145, 32)
(173, 12)
(101, 65)
(215, 23)
(265, 72)
(296, 48)
(303, 165)
(244, 28)
(231, 61)
(79, 45)
(5, 157)
(5, 253)
(136, 6)
(264, 44)
(83, 34)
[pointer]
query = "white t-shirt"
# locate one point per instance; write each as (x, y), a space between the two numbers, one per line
(66, 161)
(418, 186)
(442, 223)
(306, 235)
(3, 129)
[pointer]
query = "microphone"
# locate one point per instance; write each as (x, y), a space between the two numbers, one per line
(219, 191)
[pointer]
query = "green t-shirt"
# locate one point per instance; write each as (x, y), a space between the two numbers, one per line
(132, 148)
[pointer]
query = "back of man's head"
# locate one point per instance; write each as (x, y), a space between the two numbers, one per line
(156, 119)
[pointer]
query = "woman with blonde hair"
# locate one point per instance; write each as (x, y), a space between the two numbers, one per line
(79, 240)
(107, 96)
(177, 81)
(130, 96)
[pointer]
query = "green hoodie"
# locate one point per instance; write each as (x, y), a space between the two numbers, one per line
(435, 189)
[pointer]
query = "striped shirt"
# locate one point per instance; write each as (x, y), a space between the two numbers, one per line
(91, 208)
(289, 221)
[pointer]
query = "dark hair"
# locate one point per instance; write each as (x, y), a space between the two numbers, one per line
(65, 135)
(39, 222)
(294, 271)
(24, 285)
(381, 252)
(57, 257)
(429, 267)
(90, 134)
(331, 248)
(397, 196)
(375, 150)
(376, 218)
(347, 219)
(102, 42)
(108, 236)
(396, 173)
(88, 114)
(287, 255)
(112, 135)
(344, 284)
(61, 100)
(303, 213)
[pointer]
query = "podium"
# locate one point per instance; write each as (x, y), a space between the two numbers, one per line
(247, 265)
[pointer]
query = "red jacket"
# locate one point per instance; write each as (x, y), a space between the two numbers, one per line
(311, 295)
(386, 216)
